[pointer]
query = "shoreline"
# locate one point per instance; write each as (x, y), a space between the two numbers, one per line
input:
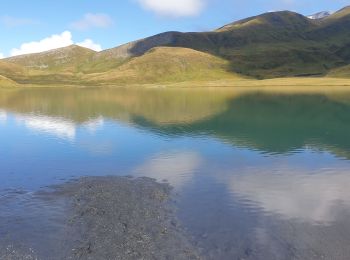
(114, 218)
(294, 82)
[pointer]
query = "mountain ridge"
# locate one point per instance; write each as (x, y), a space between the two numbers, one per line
(269, 45)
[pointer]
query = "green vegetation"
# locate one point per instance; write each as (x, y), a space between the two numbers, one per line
(165, 64)
(5, 82)
(271, 45)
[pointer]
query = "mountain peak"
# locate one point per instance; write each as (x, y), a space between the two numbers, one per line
(320, 15)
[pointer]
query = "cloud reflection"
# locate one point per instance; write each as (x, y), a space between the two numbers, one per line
(94, 124)
(3, 116)
(59, 127)
(177, 168)
(309, 197)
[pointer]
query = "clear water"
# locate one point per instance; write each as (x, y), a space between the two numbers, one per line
(260, 174)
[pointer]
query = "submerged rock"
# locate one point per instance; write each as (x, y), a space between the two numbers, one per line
(124, 218)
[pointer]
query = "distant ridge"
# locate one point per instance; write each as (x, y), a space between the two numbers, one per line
(269, 45)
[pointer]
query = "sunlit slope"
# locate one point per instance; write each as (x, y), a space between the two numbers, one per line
(269, 45)
(9, 69)
(165, 64)
(67, 59)
(342, 72)
(6, 82)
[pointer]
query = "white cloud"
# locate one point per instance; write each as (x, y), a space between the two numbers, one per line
(88, 43)
(174, 8)
(53, 42)
(10, 21)
(91, 21)
(1, 55)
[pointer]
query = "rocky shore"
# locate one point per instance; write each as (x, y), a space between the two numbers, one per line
(116, 218)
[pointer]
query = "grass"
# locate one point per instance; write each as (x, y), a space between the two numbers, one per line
(271, 45)
(5, 82)
(166, 65)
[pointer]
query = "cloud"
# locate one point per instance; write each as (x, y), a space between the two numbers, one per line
(10, 21)
(1, 55)
(88, 43)
(92, 21)
(53, 42)
(173, 8)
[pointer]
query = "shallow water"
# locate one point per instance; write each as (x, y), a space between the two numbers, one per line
(260, 174)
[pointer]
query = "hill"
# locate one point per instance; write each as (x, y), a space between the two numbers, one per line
(167, 64)
(5, 82)
(11, 69)
(66, 59)
(270, 45)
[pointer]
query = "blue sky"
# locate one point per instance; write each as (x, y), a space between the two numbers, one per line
(101, 24)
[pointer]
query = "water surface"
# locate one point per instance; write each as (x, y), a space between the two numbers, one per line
(260, 174)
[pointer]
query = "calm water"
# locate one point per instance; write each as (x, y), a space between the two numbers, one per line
(260, 174)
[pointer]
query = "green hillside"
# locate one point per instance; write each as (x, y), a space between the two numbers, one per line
(270, 45)
(274, 44)
(165, 64)
(5, 82)
(67, 59)
(10, 69)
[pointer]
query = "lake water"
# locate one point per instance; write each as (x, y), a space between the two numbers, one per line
(260, 174)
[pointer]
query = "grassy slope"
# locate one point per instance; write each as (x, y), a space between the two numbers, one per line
(270, 45)
(11, 69)
(278, 44)
(65, 59)
(6, 82)
(166, 64)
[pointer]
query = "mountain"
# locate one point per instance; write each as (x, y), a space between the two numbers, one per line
(270, 45)
(167, 64)
(66, 59)
(11, 69)
(320, 15)
(5, 82)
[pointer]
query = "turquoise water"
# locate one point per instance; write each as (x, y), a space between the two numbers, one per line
(259, 174)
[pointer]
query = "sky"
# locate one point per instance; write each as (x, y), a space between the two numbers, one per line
(39, 25)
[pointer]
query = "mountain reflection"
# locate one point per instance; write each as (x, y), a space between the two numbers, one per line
(271, 122)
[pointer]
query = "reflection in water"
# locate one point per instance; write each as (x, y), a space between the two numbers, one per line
(289, 193)
(3, 116)
(55, 126)
(176, 168)
(94, 124)
(261, 174)
(272, 122)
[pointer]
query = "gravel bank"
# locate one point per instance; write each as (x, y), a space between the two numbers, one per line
(124, 218)
(106, 218)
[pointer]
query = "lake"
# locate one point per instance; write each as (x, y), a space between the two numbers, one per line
(258, 173)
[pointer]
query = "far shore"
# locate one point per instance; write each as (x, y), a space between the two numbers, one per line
(302, 84)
